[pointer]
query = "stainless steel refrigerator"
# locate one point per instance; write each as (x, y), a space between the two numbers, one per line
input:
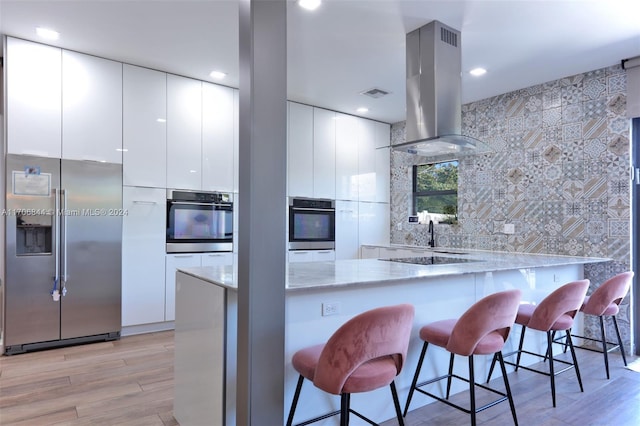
(63, 252)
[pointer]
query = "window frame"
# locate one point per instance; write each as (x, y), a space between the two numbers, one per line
(414, 184)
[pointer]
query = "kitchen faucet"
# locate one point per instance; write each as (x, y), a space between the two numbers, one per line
(432, 241)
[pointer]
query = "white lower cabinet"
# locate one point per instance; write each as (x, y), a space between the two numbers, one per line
(173, 262)
(143, 253)
(369, 252)
(311, 256)
(187, 260)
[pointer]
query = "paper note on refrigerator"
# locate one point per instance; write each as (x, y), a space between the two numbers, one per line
(31, 184)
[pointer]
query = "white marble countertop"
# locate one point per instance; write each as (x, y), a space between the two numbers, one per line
(308, 275)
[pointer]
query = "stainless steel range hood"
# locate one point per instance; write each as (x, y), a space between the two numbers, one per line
(434, 95)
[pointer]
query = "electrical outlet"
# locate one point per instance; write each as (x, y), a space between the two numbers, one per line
(332, 308)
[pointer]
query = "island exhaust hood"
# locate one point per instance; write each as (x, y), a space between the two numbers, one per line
(434, 95)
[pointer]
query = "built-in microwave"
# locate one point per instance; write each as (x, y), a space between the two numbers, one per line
(312, 224)
(199, 222)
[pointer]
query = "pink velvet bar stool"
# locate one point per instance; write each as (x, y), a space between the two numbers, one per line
(554, 313)
(482, 330)
(365, 353)
(605, 302)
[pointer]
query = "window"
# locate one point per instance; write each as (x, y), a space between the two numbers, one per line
(435, 189)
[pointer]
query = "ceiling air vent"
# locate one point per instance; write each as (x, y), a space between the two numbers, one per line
(449, 37)
(375, 93)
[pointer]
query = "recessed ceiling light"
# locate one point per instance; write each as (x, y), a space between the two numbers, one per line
(309, 4)
(478, 72)
(161, 120)
(47, 33)
(362, 110)
(218, 75)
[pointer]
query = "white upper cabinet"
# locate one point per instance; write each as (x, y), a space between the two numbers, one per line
(236, 143)
(373, 162)
(383, 162)
(184, 133)
(91, 108)
(347, 138)
(324, 153)
(300, 150)
(217, 138)
(34, 98)
(144, 128)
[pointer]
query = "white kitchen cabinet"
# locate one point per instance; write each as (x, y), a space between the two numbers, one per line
(143, 256)
(174, 261)
(383, 162)
(236, 141)
(34, 98)
(324, 153)
(347, 243)
(217, 259)
(144, 132)
(369, 252)
(373, 162)
(311, 256)
(217, 138)
(184, 133)
(300, 150)
(188, 260)
(374, 226)
(91, 108)
(347, 137)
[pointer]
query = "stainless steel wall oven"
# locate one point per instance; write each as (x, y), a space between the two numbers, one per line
(199, 222)
(312, 224)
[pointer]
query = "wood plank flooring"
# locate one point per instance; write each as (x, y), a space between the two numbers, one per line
(130, 382)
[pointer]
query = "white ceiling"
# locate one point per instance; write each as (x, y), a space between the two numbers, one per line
(347, 46)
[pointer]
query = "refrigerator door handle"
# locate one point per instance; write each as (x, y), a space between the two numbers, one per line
(55, 291)
(63, 282)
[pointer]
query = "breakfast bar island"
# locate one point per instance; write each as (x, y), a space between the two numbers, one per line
(321, 296)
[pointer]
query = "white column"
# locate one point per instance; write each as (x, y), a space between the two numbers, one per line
(261, 231)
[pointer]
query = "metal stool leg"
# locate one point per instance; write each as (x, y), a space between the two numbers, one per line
(294, 403)
(415, 377)
(615, 323)
(605, 352)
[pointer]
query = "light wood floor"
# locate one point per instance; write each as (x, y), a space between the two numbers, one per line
(130, 382)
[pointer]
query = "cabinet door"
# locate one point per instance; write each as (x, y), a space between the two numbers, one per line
(144, 132)
(296, 256)
(367, 161)
(324, 255)
(324, 153)
(217, 138)
(174, 261)
(347, 245)
(217, 259)
(383, 162)
(184, 133)
(34, 98)
(369, 252)
(347, 136)
(91, 108)
(143, 253)
(374, 223)
(300, 150)
(236, 141)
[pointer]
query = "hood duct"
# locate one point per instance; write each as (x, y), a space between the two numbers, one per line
(434, 95)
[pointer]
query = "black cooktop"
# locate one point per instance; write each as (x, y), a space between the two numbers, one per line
(430, 260)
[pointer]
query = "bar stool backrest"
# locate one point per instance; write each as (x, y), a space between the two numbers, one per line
(565, 300)
(493, 313)
(611, 291)
(372, 334)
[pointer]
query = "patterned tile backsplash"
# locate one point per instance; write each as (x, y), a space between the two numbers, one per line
(559, 172)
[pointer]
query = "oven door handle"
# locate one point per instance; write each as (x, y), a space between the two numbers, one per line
(188, 203)
(312, 209)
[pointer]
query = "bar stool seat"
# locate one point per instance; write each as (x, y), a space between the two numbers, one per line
(365, 353)
(554, 313)
(482, 330)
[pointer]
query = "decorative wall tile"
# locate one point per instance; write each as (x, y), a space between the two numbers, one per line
(558, 171)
